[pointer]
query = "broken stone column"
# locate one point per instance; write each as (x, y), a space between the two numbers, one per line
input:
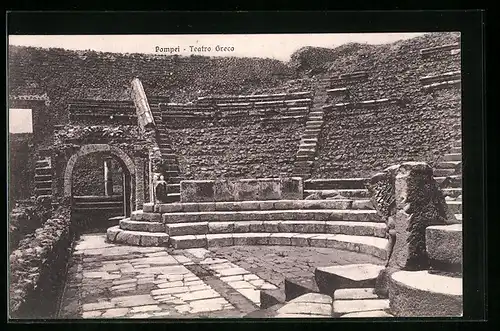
(416, 204)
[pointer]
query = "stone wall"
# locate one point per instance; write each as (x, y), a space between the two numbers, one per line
(243, 148)
(37, 268)
(21, 166)
(357, 141)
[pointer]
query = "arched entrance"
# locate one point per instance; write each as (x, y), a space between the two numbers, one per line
(129, 176)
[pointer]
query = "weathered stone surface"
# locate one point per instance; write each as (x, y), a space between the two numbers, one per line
(292, 188)
(188, 241)
(220, 240)
(221, 227)
(355, 294)
(142, 226)
(182, 229)
(128, 237)
(270, 189)
(419, 293)
(168, 208)
(444, 244)
(154, 239)
(314, 298)
(353, 306)
(298, 286)
(306, 308)
(365, 314)
(332, 278)
(197, 190)
(280, 239)
(224, 190)
(148, 207)
(269, 298)
(247, 190)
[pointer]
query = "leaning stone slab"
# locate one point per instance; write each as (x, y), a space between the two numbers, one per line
(332, 278)
(197, 190)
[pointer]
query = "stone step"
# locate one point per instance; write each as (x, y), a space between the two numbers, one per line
(449, 165)
(423, 294)
(171, 173)
(127, 224)
(311, 146)
(43, 191)
(309, 140)
(43, 184)
(444, 172)
(173, 188)
(98, 204)
(43, 171)
(174, 180)
(263, 205)
(270, 215)
(348, 193)
(333, 278)
(317, 113)
(360, 244)
(452, 192)
(301, 175)
(42, 164)
(97, 198)
(303, 164)
(315, 118)
(335, 183)
(312, 131)
(454, 181)
(43, 177)
(456, 150)
(307, 306)
(374, 229)
(136, 238)
(455, 206)
(458, 217)
(444, 246)
(341, 308)
(453, 157)
(457, 143)
(304, 158)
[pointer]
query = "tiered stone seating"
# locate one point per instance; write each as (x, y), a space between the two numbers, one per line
(43, 178)
(329, 223)
(352, 188)
(90, 111)
(447, 79)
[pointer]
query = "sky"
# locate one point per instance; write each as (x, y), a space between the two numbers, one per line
(20, 121)
(275, 46)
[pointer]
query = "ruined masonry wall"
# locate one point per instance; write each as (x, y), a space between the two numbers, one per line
(360, 141)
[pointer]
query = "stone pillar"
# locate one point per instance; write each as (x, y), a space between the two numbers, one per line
(418, 203)
(108, 177)
(139, 183)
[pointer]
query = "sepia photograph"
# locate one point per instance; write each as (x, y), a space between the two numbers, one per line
(194, 176)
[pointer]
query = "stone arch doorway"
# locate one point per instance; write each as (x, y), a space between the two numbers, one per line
(126, 163)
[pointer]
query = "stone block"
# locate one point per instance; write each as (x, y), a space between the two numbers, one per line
(168, 208)
(313, 297)
(269, 298)
(227, 206)
(292, 188)
(271, 226)
(308, 226)
(270, 189)
(249, 205)
(148, 207)
(190, 207)
(128, 237)
(281, 239)
(247, 190)
(136, 215)
(224, 190)
(287, 204)
(306, 308)
(241, 227)
(182, 229)
(112, 232)
(354, 306)
(197, 191)
(363, 204)
(206, 206)
(332, 278)
(220, 240)
(266, 205)
(181, 217)
(151, 217)
(355, 294)
(154, 239)
(256, 226)
(422, 294)
(298, 286)
(189, 241)
(444, 244)
(220, 227)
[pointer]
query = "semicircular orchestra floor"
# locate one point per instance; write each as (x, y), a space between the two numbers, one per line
(113, 281)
